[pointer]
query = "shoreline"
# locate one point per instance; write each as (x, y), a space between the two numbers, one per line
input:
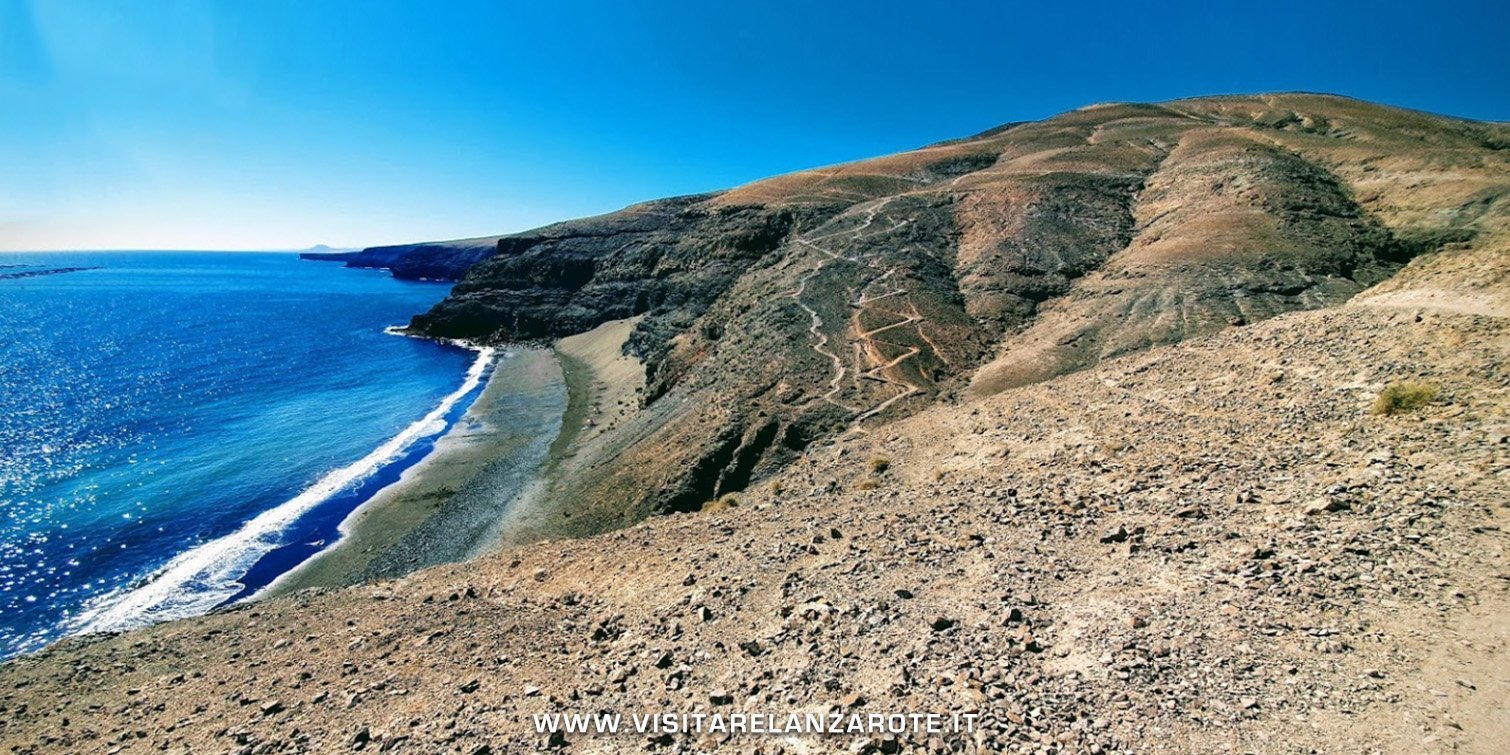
(603, 386)
(493, 477)
(441, 506)
(245, 562)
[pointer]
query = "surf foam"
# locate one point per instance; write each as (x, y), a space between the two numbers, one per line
(197, 580)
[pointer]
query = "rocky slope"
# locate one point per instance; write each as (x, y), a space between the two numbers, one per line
(1075, 425)
(826, 302)
(1207, 547)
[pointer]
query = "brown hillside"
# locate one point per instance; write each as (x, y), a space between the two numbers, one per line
(826, 302)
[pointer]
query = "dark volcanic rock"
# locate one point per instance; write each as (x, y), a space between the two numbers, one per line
(669, 258)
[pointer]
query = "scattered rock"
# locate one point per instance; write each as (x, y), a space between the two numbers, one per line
(1324, 505)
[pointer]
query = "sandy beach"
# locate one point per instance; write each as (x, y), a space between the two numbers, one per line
(603, 386)
(494, 474)
(442, 509)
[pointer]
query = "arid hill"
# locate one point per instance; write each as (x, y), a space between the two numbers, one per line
(1148, 428)
(830, 301)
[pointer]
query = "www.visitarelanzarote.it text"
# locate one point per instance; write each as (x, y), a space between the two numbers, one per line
(755, 723)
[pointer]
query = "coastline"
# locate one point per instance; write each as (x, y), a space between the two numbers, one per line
(441, 508)
(244, 563)
(493, 479)
(603, 388)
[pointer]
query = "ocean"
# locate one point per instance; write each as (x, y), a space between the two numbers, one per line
(178, 429)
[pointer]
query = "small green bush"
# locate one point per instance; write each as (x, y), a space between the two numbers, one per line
(1404, 397)
(880, 464)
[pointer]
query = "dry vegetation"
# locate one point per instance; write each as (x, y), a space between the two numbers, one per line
(1400, 398)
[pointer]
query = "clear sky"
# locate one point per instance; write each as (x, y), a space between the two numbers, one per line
(260, 124)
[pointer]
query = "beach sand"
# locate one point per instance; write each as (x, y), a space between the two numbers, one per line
(493, 478)
(603, 387)
(602, 381)
(444, 507)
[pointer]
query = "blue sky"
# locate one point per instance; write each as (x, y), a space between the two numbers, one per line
(272, 124)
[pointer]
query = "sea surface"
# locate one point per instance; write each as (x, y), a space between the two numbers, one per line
(177, 429)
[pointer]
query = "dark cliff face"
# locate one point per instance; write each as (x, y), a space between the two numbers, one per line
(825, 302)
(667, 259)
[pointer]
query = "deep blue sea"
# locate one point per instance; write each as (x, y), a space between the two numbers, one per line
(169, 421)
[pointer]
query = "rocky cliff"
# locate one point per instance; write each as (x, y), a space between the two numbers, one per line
(825, 302)
(435, 260)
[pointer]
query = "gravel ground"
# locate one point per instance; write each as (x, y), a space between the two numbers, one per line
(1215, 546)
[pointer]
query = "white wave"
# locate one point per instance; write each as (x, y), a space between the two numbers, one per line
(203, 577)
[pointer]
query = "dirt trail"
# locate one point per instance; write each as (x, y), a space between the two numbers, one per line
(866, 346)
(820, 340)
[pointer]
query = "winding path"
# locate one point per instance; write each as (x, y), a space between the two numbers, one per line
(866, 346)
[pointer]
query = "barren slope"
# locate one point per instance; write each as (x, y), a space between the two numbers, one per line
(824, 302)
(1202, 547)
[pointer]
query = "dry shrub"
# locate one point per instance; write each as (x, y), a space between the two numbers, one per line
(1401, 398)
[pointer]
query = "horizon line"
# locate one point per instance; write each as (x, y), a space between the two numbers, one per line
(330, 249)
